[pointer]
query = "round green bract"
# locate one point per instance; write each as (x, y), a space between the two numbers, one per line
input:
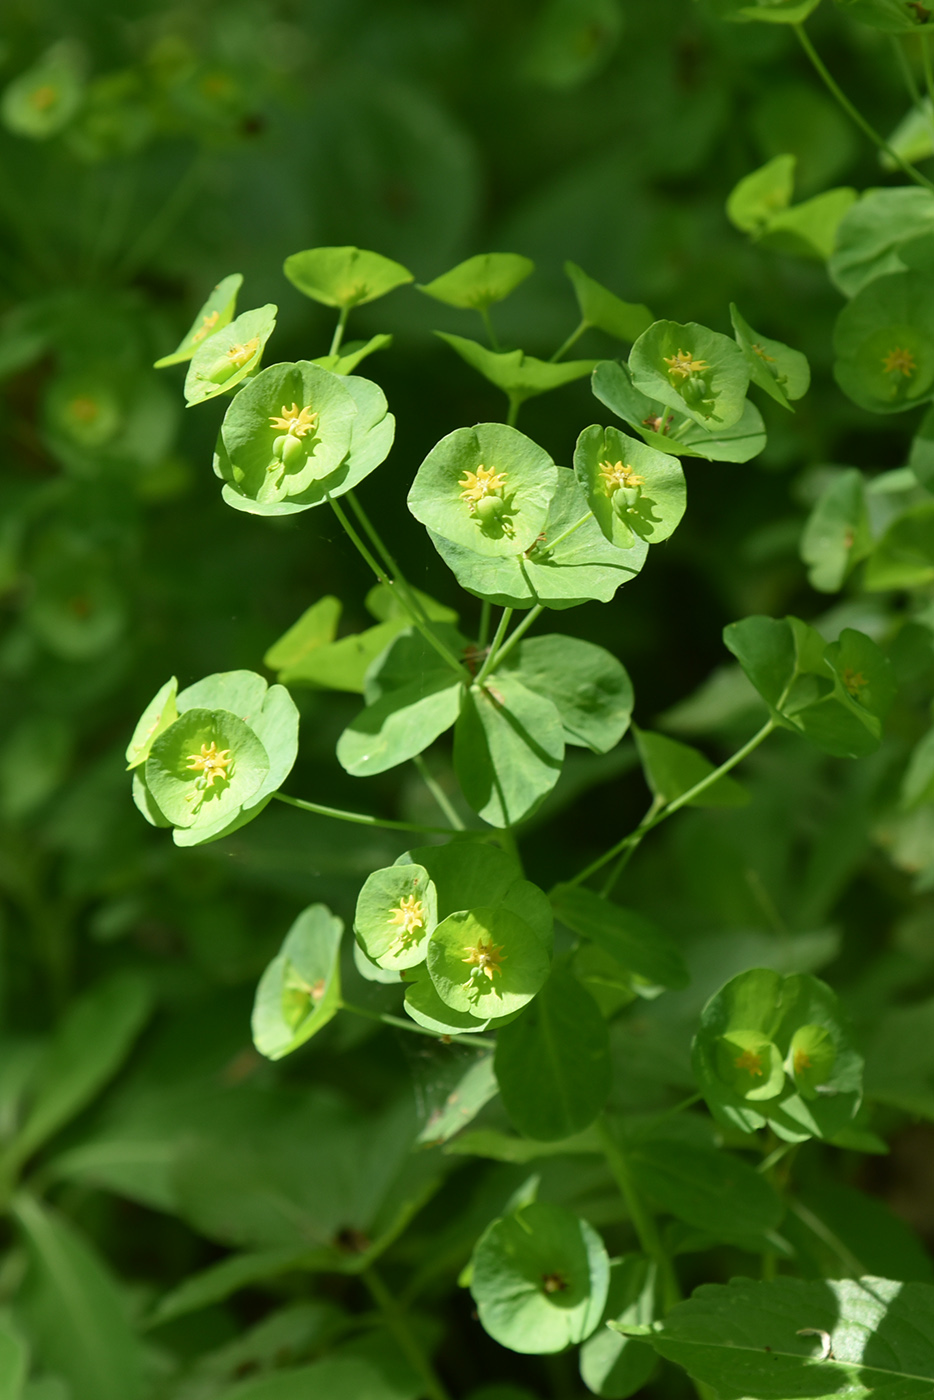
(40, 102)
(212, 371)
(889, 318)
(344, 276)
(531, 479)
(658, 501)
(726, 377)
(216, 313)
(172, 781)
(812, 1056)
(382, 937)
(540, 1279)
(155, 719)
(523, 961)
(249, 434)
(85, 409)
(750, 1064)
(428, 1010)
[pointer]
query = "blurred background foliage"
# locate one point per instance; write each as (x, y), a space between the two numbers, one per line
(200, 139)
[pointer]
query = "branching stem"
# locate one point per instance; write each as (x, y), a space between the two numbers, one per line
(572, 339)
(361, 818)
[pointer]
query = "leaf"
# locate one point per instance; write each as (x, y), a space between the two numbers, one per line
(221, 1280)
(504, 1147)
(602, 308)
(837, 533)
(573, 39)
(316, 627)
(300, 990)
(611, 1365)
(590, 689)
(763, 1340)
(88, 1048)
(553, 1062)
(74, 1313)
(809, 230)
(352, 354)
(520, 376)
(706, 1187)
(766, 11)
(672, 768)
(400, 724)
(480, 281)
(635, 942)
(762, 194)
(872, 232)
(475, 1089)
(540, 1279)
(344, 277)
(332, 1378)
(891, 16)
(14, 1363)
(216, 313)
(904, 556)
(508, 749)
(782, 372)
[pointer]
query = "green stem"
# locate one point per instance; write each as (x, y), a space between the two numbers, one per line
(572, 339)
(494, 646)
(627, 855)
(400, 1024)
(643, 1222)
(484, 636)
(339, 329)
(398, 1325)
(398, 579)
(515, 403)
(645, 826)
(488, 323)
(437, 792)
(531, 616)
(360, 818)
(854, 113)
(553, 544)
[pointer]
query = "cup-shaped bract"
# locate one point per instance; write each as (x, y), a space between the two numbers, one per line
(692, 369)
(344, 276)
(230, 745)
(481, 281)
(372, 429)
(782, 372)
(487, 488)
(397, 911)
(633, 489)
(222, 361)
(287, 429)
(750, 1064)
(43, 100)
(85, 409)
(487, 961)
(884, 343)
(216, 313)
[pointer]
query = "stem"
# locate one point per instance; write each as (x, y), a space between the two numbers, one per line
(643, 1222)
(410, 601)
(402, 1025)
(853, 112)
(360, 818)
(488, 322)
(399, 1327)
(494, 646)
(657, 804)
(572, 339)
(531, 616)
(437, 792)
(339, 329)
(646, 825)
(484, 636)
(928, 74)
(553, 544)
(515, 403)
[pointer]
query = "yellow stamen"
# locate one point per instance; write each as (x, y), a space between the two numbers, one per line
(484, 959)
(617, 474)
(802, 1061)
(408, 916)
(208, 323)
(485, 481)
(683, 364)
(899, 361)
(240, 355)
(762, 355)
(750, 1062)
(298, 422)
(210, 763)
(854, 681)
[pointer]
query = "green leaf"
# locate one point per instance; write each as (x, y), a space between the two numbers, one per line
(782, 372)
(508, 749)
(540, 1279)
(583, 564)
(603, 309)
(344, 277)
(427, 1009)
(316, 627)
(837, 533)
(519, 375)
(632, 489)
(487, 961)
(343, 664)
(157, 716)
(480, 281)
(672, 768)
(706, 1187)
(397, 911)
(300, 990)
(874, 230)
(400, 724)
(466, 873)
(333, 1377)
(918, 781)
(884, 343)
(553, 1063)
(809, 230)
(692, 369)
(472, 1092)
(766, 11)
(891, 16)
(611, 1365)
(762, 194)
(652, 420)
(410, 657)
(221, 1280)
(345, 361)
(904, 557)
(635, 942)
(75, 1316)
(572, 40)
(43, 100)
(225, 359)
(14, 1363)
(505, 1147)
(921, 456)
(766, 1341)
(88, 1048)
(216, 313)
(588, 687)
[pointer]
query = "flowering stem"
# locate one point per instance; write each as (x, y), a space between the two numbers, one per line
(494, 646)
(339, 330)
(624, 859)
(361, 818)
(484, 636)
(553, 544)
(531, 616)
(853, 112)
(411, 600)
(572, 339)
(515, 403)
(643, 1222)
(437, 792)
(400, 1024)
(488, 323)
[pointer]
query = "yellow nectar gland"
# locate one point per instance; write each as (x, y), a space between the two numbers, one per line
(295, 421)
(617, 474)
(854, 681)
(408, 916)
(44, 97)
(240, 355)
(802, 1061)
(485, 481)
(762, 355)
(210, 763)
(899, 361)
(208, 323)
(484, 960)
(750, 1062)
(683, 365)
